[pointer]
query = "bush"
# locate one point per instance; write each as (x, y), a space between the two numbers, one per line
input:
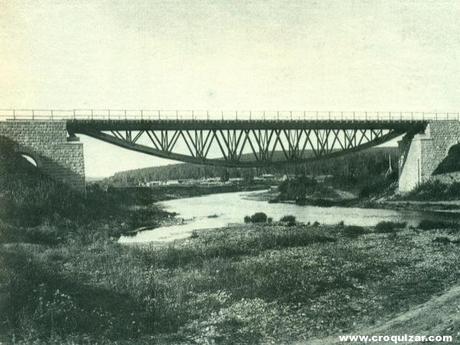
(353, 230)
(377, 185)
(435, 190)
(427, 224)
(259, 217)
(385, 227)
(288, 219)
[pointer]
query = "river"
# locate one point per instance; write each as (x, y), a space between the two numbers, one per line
(220, 210)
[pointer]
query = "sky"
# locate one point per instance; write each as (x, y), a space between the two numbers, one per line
(227, 55)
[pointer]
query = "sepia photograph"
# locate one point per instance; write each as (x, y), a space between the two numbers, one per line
(219, 172)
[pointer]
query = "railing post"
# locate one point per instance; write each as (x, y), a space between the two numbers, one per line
(329, 115)
(142, 114)
(222, 114)
(291, 114)
(236, 115)
(52, 115)
(14, 114)
(125, 115)
(250, 115)
(354, 116)
(277, 115)
(207, 115)
(158, 114)
(33, 114)
(304, 115)
(92, 114)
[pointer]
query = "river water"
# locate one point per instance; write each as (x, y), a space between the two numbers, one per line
(220, 210)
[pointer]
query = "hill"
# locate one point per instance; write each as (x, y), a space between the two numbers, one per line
(373, 162)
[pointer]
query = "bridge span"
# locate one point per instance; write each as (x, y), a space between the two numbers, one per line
(231, 139)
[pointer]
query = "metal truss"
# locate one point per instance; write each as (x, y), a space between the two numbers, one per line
(236, 144)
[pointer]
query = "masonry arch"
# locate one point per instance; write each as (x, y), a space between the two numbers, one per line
(30, 158)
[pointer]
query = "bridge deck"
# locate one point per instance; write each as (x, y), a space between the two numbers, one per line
(77, 126)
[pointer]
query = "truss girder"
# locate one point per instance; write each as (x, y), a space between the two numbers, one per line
(246, 147)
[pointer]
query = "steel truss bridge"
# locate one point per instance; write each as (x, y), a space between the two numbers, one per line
(236, 139)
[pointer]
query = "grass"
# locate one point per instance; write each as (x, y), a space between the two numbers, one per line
(239, 284)
(435, 190)
(427, 224)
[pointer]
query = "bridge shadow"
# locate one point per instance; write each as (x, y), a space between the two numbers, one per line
(451, 163)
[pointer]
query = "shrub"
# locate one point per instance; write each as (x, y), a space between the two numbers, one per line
(353, 230)
(259, 217)
(427, 224)
(376, 186)
(385, 227)
(316, 223)
(288, 219)
(435, 190)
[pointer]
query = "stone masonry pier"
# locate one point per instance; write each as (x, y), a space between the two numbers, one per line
(47, 143)
(422, 153)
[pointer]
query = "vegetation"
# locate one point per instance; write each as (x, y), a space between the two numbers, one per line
(427, 224)
(352, 170)
(435, 190)
(353, 230)
(289, 220)
(235, 285)
(258, 217)
(387, 227)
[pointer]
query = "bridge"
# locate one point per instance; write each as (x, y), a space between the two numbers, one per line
(231, 139)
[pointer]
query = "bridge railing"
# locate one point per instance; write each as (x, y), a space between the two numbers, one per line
(200, 115)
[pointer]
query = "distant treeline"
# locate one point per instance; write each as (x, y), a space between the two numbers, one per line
(349, 169)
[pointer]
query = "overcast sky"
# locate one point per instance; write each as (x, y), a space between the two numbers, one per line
(308, 55)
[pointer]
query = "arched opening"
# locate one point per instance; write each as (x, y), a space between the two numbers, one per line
(30, 159)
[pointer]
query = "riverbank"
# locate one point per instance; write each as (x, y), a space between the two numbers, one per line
(245, 284)
(348, 199)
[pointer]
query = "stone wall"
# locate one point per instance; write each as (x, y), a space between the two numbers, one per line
(421, 156)
(46, 142)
